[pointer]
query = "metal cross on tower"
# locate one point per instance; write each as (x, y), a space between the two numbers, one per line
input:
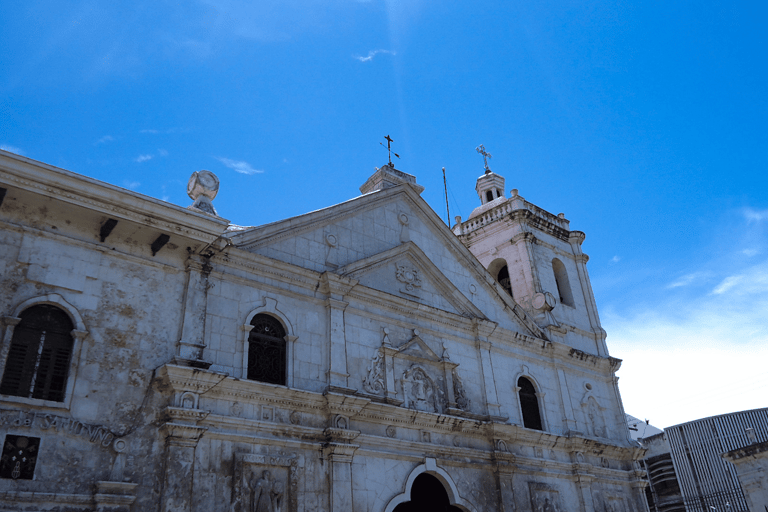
(389, 149)
(486, 155)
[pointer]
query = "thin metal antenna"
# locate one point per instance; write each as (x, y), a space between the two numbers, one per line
(447, 210)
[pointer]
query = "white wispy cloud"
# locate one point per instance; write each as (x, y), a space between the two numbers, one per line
(691, 357)
(615, 259)
(372, 54)
(133, 185)
(154, 131)
(238, 166)
(753, 215)
(11, 149)
(105, 139)
(162, 152)
(143, 158)
(688, 279)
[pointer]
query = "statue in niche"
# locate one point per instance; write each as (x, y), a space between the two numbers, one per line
(419, 390)
(266, 493)
(595, 418)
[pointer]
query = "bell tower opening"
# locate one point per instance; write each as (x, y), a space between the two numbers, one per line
(427, 495)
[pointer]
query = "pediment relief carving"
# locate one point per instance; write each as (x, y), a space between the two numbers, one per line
(406, 271)
(412, 375)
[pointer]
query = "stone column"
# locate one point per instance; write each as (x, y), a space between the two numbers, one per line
(584, 480)
(10, 323)
(483, 329)
(524, 243)
(340, 453)
(335, 287)
(189, 351)
(576, 238)
(570, 419)
(181, 442)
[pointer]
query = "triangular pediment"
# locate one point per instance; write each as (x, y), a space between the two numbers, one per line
(417, 348)
(405, 271)
(391, 241)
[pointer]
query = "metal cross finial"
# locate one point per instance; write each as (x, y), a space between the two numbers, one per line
(486, 155)
(389, 149)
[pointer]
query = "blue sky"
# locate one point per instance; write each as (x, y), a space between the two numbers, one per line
(644, 122)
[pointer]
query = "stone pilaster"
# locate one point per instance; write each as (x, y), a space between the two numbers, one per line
(576, 238)
(180, 444)
(335, 287)
(189, 349)
(483, 329)
(340, 452)
(570, 419)
(524, 243)
(584, 479)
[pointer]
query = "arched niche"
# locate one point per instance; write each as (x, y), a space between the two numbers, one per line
(501, 273)
(564, 291)
(270, 308)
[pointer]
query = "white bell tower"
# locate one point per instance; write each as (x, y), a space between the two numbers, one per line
(537, 259)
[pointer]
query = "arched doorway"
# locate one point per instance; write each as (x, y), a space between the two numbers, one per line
(427, 495)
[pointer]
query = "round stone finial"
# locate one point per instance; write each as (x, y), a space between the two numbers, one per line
(203, 183)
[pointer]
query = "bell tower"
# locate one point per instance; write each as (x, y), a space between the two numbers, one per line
(537, 259)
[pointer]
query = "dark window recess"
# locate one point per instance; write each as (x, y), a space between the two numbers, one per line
(427, 495)
(504, 280)
(19, 457)
(266, 350)
(489, 196)
(529, 403)
(2, 195)
(159, 243)
(38, 359)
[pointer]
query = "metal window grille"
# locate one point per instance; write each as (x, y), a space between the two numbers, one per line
(266, 350)
(39, 356)
(529, 404)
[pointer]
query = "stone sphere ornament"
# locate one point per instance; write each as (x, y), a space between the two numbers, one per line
(202, 189)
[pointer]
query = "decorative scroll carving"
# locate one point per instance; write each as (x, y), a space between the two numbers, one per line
(458, 391)
(374, 382)
(410, 277)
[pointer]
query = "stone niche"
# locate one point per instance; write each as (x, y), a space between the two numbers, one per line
(264, 483)
(544, 498)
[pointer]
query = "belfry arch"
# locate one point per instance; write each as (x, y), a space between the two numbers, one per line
(428, 482)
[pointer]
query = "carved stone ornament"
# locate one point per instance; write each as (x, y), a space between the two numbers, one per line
(458, 391)
(410, 277)
(264, 483)
(544, 498)
(202, 189)
(391, 431)
(373, 383)
(420, 391)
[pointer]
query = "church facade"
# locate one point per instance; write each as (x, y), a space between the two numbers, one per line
(364, 357)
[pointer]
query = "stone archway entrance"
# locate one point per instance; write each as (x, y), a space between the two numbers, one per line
(427, 495)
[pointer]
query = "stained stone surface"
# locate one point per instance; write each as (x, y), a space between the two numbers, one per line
(402, 356)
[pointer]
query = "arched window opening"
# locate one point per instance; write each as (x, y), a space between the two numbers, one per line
(529, 403)
(266, 350)
(504, 280)
(498, 193)
(38, 359)
(427, 495)
(561, 280)
(489, 196)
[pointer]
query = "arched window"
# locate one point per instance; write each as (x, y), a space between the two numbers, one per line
(503, 278)
(266, 350)
(38, 359)
(529, 404)
(489, 196)
(561, 279)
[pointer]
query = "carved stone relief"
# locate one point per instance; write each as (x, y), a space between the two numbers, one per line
(458, 391)
(420, 391)
(374, 382)
(391, 431)
(544, 498)
(411, 279)
(264, 483)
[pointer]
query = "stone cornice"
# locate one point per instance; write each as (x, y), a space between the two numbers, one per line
(59, 184)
